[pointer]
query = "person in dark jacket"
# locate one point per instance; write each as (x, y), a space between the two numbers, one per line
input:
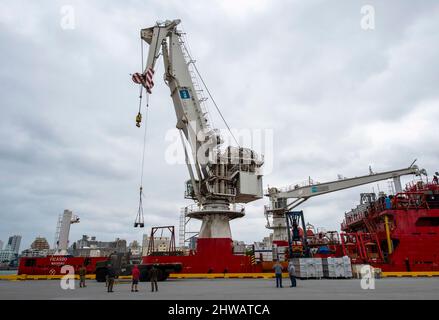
(82, 273)
(111, 276)
(153, 275)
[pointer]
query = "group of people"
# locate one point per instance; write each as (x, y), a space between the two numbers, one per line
(111, 276)
(153, 275)
(278, 273)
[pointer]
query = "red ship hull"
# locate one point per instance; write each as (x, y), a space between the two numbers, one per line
(212, 256)
(405, 229)
(51, 265)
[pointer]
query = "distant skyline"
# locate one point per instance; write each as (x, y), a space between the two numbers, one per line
(13, 243)
(337, 97)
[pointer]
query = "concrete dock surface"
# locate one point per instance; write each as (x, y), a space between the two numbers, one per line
(227, 289)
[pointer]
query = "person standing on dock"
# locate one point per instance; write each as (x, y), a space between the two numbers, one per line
(278, 273)
(82, 273)
(292, 273)
(136, 275)
(111, 276)
(153, 275)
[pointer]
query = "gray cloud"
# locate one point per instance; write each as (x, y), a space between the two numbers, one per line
(338, 99)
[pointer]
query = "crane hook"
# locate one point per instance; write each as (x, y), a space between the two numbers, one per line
(139, 222)
(138, 120)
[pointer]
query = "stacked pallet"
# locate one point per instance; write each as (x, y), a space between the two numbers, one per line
(337, 267)
(279, 253)
(239, 248)
(308, 268)
(263, 253)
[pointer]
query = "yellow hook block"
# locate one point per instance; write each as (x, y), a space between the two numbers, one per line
(138, 119)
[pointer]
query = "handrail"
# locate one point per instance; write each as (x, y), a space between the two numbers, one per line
(401, 201)
(196, 208)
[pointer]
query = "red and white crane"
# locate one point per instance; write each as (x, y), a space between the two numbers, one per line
(221, 177)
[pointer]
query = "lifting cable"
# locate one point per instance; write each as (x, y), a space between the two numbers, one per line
(216, 106)
(210, 95)
(140, 222)
(139, 115)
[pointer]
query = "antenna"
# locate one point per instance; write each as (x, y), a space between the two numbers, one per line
(413, 163)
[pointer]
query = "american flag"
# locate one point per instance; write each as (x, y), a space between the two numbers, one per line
(145, 79)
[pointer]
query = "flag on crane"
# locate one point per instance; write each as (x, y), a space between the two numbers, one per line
(145, 79)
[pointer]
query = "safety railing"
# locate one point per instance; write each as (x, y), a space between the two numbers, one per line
(235, 207)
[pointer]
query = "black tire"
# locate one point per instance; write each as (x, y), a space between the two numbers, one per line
(161, 275)
(101, 275)
(165, 276)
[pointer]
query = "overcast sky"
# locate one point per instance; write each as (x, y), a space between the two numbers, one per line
(336, 97)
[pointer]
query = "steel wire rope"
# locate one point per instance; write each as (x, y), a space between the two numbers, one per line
(188, 50)
(210, 95)
(140, 216)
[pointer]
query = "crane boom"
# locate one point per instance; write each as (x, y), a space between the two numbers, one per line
(63, 231)
(190, 117)
(279, 205)
(331, 186)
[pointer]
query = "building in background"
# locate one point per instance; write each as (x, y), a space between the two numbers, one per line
(136, 252)
(268, 241)
(8, 257)
(1, 245)
(135, 248)
(90, 247)
(239, 247)
(14, 243)
(40, 243)
(39, 248)
(161, 244)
